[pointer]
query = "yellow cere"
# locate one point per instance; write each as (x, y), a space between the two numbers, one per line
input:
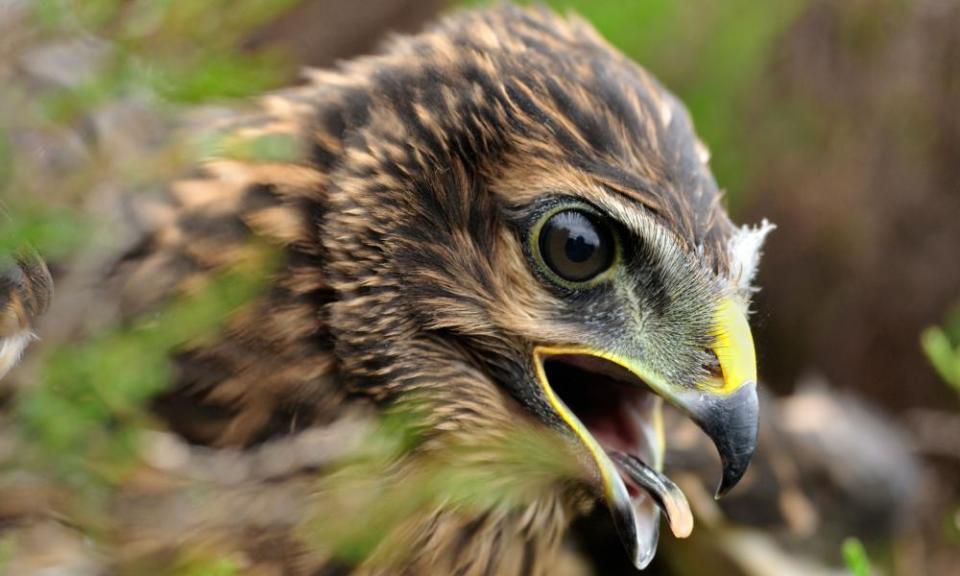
(734, 347)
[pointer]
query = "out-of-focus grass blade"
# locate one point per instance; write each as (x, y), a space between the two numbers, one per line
(941, 353)
(51, 231)
(855, 557)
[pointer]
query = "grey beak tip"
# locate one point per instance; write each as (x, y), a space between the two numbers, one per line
(641, 545)
(731, 477)
(641, 562)
(731, 422)
(742, 414)
(644, 551)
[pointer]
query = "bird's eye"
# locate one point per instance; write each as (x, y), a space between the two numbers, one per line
(576, 245)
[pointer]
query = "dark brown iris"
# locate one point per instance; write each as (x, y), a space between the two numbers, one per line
(576, 245)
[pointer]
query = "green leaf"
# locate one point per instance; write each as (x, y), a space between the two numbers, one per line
(941, 353)
(51, 231)
(855, 557)
(216, 77)
(7, 549)
(6, 162)
(206, 567)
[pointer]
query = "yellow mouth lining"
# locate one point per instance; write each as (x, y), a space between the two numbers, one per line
(614, 489)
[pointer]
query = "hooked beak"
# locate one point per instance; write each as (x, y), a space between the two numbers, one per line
(616, 415)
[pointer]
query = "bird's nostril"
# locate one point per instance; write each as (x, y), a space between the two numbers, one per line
(712, 365)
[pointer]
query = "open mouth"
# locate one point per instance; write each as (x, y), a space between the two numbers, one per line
(611, 401)
(622, 417)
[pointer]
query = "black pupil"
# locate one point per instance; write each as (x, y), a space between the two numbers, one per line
(576, 245)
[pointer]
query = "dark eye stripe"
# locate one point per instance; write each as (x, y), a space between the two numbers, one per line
(576, 245)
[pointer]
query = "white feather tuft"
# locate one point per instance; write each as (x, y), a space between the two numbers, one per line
(11, 348)
(746, 247)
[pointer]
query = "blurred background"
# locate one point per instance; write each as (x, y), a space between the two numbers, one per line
(835, 119)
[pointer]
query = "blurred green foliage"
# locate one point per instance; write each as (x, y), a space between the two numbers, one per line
(201, 565)
(264, 148)
(183, 51)
(855, 557)
(83, 421)
(369, 498)
(6, 550)
(79, 424)
(166, 52)
(49, 229)
(942, 347)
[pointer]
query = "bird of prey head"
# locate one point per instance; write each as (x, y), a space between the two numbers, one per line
(504, 216)
(518, 205)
